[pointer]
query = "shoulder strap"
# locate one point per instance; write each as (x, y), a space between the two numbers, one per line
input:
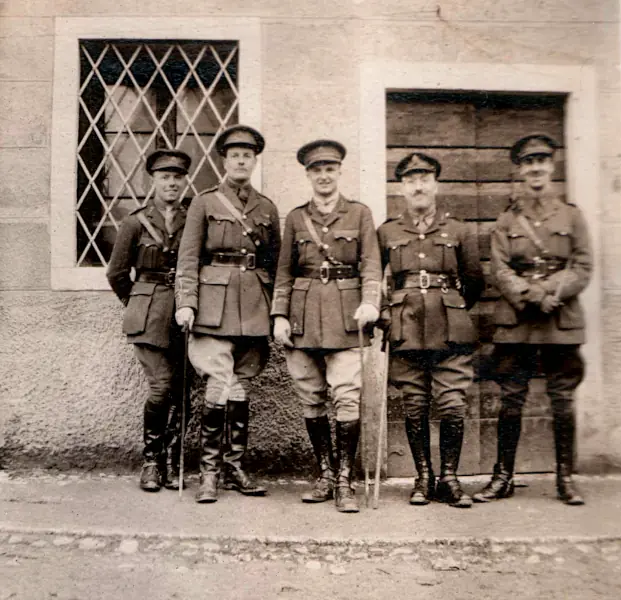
(530, 232)
(323, 248)
(149, 227)
(237, 215)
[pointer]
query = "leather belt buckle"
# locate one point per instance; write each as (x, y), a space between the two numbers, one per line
(324, 273)
(251, 261)
(170, 278)
(424, 281)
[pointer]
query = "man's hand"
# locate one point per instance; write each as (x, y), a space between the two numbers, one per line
(535, 294)
(366, 314)
(549, 303)
(282, 331)
(185, 317)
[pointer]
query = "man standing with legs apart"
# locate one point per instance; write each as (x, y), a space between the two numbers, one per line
(226, 268)
(435, 279)
(148, 242)
(541, 260)
(327, 286)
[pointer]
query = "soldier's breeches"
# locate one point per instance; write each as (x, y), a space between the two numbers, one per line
(159, 370)
(516, 364)
(215, 358)
(423, 375)
(313, 371)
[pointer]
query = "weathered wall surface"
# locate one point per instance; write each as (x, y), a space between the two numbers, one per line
(70, 391)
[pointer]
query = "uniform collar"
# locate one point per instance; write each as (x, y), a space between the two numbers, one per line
(328, 218)
(230, 189)
(157, 218)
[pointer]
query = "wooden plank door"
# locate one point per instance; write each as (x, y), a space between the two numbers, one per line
(470, 134)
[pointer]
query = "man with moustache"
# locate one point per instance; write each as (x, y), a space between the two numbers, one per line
(147, 242)
(327, 287)
(226, 268)
(435, 279)
(541, 260)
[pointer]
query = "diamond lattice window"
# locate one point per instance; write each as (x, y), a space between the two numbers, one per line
(136, 96)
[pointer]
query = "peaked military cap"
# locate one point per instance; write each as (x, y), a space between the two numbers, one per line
(535, 144)
(240, 135)
(417, 162)
(321, 151)
(168, 160)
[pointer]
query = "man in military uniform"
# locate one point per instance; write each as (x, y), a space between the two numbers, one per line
(226, 268)
(435, 279)
(148, 242)
(541, 260)
(327, 287)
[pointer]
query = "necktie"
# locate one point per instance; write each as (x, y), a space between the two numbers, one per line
(243, 194)
(169, 217)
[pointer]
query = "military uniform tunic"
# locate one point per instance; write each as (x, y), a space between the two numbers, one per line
(321, 313)
(149, 305)
(435, 279)
(517, 264)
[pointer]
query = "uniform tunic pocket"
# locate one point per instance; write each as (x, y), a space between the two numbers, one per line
(460, 327)
(298, 305)
(397, 249)
(447, 246)
(220, 231)
(303, 241)
(212, 295)
(350, 301)
(560, 243)
(137, 310)
(346, 245)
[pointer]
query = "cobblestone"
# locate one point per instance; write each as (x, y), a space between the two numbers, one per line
(128, 547)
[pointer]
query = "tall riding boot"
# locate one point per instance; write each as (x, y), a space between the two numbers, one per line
(417, 431)
(501, 485)
(564, 431)
(321, 440)
(235, 478)
(347, 436)
(449, 489)
(212, 429)
(154, 426)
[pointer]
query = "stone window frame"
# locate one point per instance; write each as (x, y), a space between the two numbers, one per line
(65, 275)
(582, 130)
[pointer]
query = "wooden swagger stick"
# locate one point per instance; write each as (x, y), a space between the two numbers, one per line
(184, 400)
(382, 425)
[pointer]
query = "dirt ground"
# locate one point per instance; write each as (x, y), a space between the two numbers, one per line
(45, 573)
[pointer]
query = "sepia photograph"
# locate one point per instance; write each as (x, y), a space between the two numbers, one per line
(306, 299)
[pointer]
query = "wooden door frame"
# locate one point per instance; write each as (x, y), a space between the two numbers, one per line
(582, 174)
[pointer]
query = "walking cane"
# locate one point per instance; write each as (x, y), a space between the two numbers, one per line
(184, 400)
(365, 459)
(382, 423)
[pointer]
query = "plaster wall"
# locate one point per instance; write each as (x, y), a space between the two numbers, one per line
(70, 390)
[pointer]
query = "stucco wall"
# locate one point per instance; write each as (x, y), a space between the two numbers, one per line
(70, 390)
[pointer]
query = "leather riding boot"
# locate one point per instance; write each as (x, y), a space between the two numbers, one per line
(154, 426)
(347, 436)
(321, 440)
(212, 429)
(564, 431)
(417, 431)
(501, 485)
(235, 478)
(449, 489)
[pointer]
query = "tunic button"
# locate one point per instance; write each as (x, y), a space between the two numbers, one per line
(242, 269)
(423, 291)
(244, 233)
(325, 246)
(244, 217)
(421, 236)
(444, 234)
(421, 255)
(244, 251)
(449, 245)
(537, 223)
(325, 229)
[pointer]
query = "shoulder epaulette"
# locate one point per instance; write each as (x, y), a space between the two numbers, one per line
(208, 190)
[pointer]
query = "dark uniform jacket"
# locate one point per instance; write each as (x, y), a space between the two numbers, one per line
(426, 318)
(229, 300)
(321, 314)
(518, 264)
(150, 306)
